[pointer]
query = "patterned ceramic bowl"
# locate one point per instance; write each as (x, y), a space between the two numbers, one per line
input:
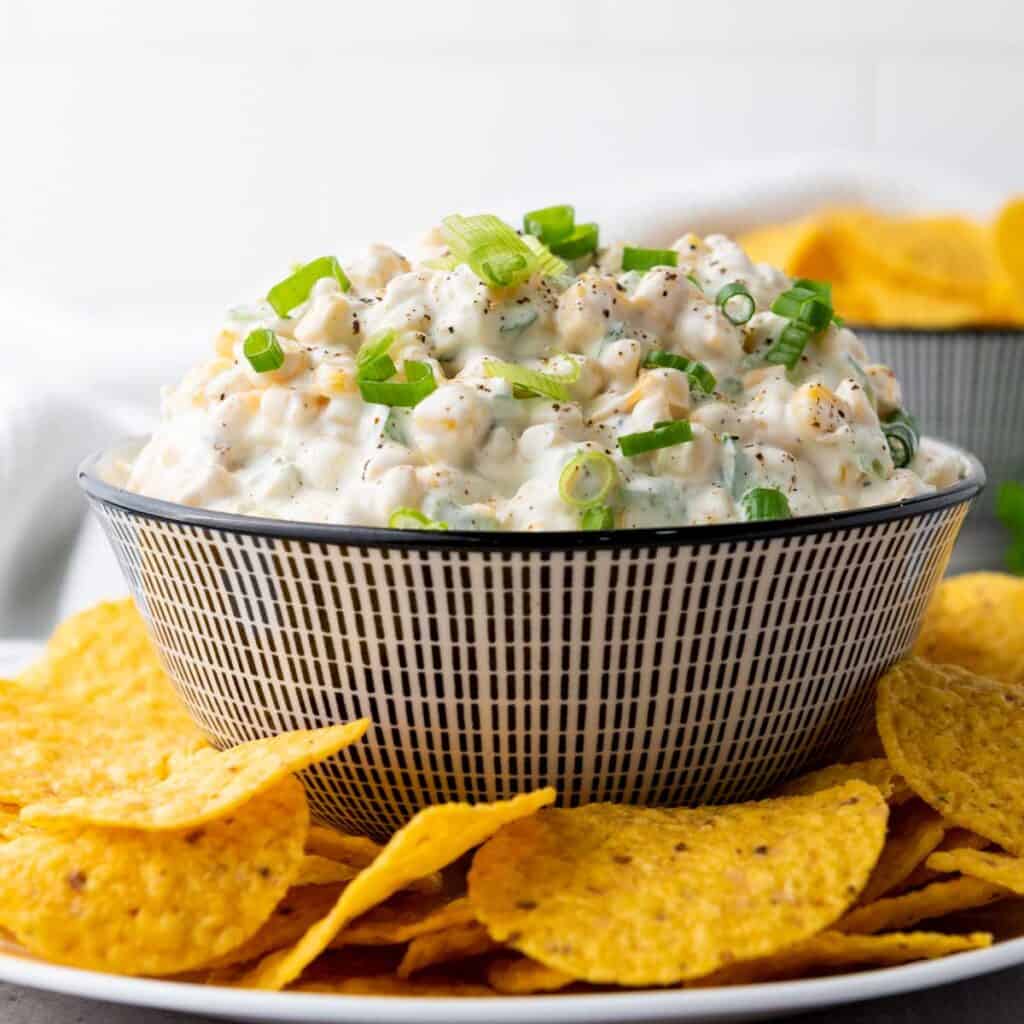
(673, 666)
(966, 386)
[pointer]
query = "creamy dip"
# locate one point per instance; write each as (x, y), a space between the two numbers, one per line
(669, 402)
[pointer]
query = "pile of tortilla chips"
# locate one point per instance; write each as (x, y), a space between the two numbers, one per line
(923, 271)
(129, 845)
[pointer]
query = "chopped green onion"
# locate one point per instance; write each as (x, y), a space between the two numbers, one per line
(765, 503)
(634, 258)
(372, 359)
(548, 263)
(790, 345)
(551, 224)
(788, 303)
(701, 378)
(413, 519)
(664, 435)
(587, 479)
(493, 251)
(597, 517)
(820, 288)
(263, 350)
(518, 320)
(419, 382)
(533, 382)
(903, 435)
(692, 278)
(735, 302)
(582, 241)
(294, 290)
(816, 314)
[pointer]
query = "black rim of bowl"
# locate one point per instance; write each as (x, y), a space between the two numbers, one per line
(381, 537)
(986, 332)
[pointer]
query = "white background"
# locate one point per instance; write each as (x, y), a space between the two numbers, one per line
(162, 160)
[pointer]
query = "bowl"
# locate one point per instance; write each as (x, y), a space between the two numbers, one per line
(964, 385)
(660, 666)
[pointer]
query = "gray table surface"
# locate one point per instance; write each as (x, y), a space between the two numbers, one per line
(994, 999)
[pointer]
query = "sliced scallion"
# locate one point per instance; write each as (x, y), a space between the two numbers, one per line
(635, 258)
(664, 435)
(551, 224)
(701, 378)
(735, 302)
(765, 503)
(581, 242)
(587, 479)
(263, 350)
(532, 383)
(903, 436)
(419, 382)
(372, 359)
(787, 350)
(692, 278)
(294, 290)
(493, 251)
(413, 519)
(597, 517)
(548, 263)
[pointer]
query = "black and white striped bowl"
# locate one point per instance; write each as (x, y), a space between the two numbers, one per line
(966, 386)
(675, 666)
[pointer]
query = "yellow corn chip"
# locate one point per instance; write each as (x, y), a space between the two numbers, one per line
(953, 737)
(975, 621)
(995, 868)
(357, 852)
(202, 787)
(638, 896)
(876, 772)
(96, 714)
(436, 837)
(955, 839)
(138, 903)
(457, 943)
(316, 870)
(935, 900)
(404, 917)
(387, 985)
(914, 832)
(521, 976)
(1008, 236)
(830, 950)
(1004, 919)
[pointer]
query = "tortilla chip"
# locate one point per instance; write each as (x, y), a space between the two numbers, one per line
(316, 870)
(935, 900)
(143, 903)
(203, 787)
(1004, 919)
(956, 739)
(639, 896)
(357, 852)
(404, 917)
(459, 942)
(96, 714)
(876, 772)
(995, 868)
(830, 950)
(521, 976)
(1008, 236)
(389, 985)
(955, 839)
(914, 832)
(436, 837)
(975, 621)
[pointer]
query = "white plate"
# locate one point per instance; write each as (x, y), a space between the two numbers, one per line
(751, 1002)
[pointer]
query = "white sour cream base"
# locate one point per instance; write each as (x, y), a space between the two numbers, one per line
(300, 443)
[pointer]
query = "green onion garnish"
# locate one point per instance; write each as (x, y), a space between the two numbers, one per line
(634, 258)
(413, 519)
(701, 378)
(372, 359)
(419, 382)
(765, 503)
(597, 517)
(548, 263)
(588, 478)
(551, 224)
(820, 288)
(903, 435)
(692, 278)
(789, 347)
(664, 435)
(263, 350)
(294, 290)
(582, 241)
(735, 302)
(493, 251)
(532, 383)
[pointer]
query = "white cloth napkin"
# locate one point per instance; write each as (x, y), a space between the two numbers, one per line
(56, 408)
